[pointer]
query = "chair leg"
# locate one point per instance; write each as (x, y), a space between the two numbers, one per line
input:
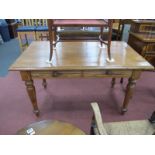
(41, 36)
(109, 38)
(55, 37)
(52, 36)
(37, 36)
(51, 43)
(20, 42)
(27, 42)
(101, 35)
(44, 83)
(34, 36)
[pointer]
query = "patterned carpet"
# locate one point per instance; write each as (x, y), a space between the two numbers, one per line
(69, 100)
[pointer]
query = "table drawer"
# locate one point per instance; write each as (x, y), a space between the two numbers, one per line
(117, 73)
(56, 74)
(107, 73)
(84, 74)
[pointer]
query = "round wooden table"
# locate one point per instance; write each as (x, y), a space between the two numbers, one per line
(50, 127)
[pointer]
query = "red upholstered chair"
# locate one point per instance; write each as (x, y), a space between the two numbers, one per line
(54, 23)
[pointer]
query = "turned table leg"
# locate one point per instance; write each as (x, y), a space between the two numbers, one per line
(44, 83)
(121, 81)
(129, 90)
(26, 76)
(113, 82)
(32, 95)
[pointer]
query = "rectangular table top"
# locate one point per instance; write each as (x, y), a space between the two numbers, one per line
(79, 56)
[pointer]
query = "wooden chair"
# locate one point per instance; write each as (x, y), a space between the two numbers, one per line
(137, 127)
(97, 127)
(42, 29)
(54, 23)
(25, 29)
(37, 28)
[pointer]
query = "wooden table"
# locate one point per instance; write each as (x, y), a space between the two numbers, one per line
(50, 127)
(79, 59)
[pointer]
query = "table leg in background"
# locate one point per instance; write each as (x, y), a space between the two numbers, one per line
(129, 90)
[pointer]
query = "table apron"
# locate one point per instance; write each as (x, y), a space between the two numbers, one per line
(81, 73)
